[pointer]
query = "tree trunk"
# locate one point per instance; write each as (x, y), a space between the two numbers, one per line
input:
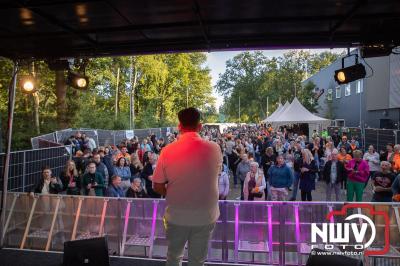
(36, 102)
(117, 97)
(61, 93)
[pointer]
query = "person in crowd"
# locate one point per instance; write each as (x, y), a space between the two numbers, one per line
(48, 184)
(396, 159)
(223, 184)
(93, 181)
(328, 150)
(241, 171)
(298, 161)
(372, 157)
(334, 174)
(122, 154)
(91, 143)
(396, 189)
(317, 152)
(101, 168)
(279, 149)
(344, 143)
(267, 160)
(190, 167)
(353, 145)
(254, 184)
(136, 165)
(136, 189)
(147, 174)
(357, 173)
(388, 154)
(280, 178)
(382, 182)
(106, 159)
(70, 179)
(114, 189)
(145, 145)
(307, 175)
(161, 143)
(122, 170)
(343, 156)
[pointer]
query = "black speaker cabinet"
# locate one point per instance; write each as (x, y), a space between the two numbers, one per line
(331, 260)
(86, 252)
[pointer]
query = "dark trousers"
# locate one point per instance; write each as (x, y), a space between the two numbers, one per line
(306, 196)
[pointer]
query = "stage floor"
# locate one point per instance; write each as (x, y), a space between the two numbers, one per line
(14, 257)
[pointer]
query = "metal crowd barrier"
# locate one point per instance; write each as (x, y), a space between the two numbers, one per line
(273, 233)
(26, 166)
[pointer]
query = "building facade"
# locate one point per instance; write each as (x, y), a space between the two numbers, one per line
(370, 102)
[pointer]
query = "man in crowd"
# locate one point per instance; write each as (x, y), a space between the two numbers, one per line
(280, 179)
(334, 174)
(187, 173)
(93, 181)
(114, 189)
(241, 172)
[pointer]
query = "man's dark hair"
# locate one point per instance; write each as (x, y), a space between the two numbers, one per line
(189, 118)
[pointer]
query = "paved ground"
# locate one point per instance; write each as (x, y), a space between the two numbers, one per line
(318, 194)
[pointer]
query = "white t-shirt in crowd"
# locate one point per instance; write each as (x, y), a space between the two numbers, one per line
(190, 166)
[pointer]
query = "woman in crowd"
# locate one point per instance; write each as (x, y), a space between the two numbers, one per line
(396, 159)
(357, 173)
(223, 184)
(388, 154)
(254, 184)
(122, 170)
(267, 160)
(147, 173)
(382, 181)
(279, 149)
(136, 189)
(70, 179)
(136, 165)
(307, 175)
(372, 157)
(328, 150)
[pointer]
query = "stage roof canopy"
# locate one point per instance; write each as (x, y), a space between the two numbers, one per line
(65, 28)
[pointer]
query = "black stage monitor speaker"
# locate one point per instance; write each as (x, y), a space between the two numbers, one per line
(331, 260)
(86, 252)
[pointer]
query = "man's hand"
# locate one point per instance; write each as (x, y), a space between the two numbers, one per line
(53, 180)
(89, 186)
(72, 184)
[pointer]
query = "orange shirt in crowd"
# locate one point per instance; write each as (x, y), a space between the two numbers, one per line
(396, 162)
(342, 157)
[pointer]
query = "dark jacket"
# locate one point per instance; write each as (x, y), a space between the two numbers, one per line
(341, 172)
(148, 171)
(307, 179)
(267, 162)
(130, 193)
(53, 188)
(89, 178)
(115, 192)
(65, 179)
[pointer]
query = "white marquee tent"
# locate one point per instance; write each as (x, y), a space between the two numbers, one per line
(276, 114)
(296, 113)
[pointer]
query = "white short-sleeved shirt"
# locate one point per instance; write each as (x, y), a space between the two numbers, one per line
(190, 166)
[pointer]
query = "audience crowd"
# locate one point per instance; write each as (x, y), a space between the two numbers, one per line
(266, 164)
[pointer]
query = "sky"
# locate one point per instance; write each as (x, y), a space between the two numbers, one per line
(216, 63)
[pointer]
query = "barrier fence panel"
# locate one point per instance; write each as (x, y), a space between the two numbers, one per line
(25, 166)
(267, 233)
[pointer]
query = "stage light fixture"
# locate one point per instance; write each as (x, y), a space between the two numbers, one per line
(77, 81)
(351, 73)
(28, 84)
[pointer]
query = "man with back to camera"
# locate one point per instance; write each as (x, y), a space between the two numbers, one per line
(187, 173)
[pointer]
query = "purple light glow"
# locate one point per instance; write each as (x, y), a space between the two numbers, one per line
(236, 231)
(270, 246)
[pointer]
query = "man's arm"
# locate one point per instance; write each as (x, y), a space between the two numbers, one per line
(160, 188)
(159, 177)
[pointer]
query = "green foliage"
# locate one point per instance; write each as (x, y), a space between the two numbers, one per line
(160, 92)
(254, 78)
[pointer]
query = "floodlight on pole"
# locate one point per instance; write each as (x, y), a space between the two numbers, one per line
(28, 84)
(77, 81)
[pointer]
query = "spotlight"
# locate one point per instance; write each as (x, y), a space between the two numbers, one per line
(349, 74)
(28, 84)
(77, 81)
